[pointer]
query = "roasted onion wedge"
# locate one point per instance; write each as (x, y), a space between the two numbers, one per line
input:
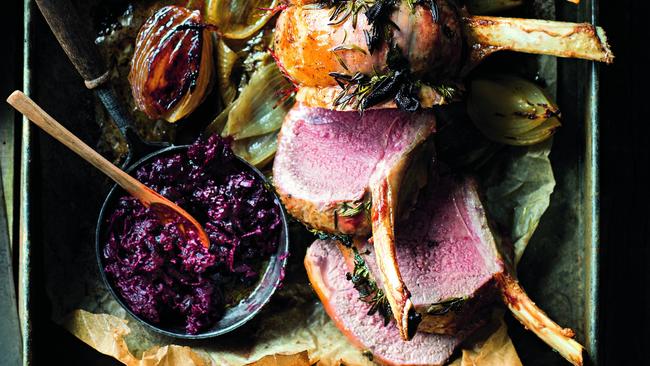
(239, 19)
(172, 67)
(511, 110)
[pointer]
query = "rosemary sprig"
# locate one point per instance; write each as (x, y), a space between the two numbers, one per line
(445, 306)
(380, 23)
(377, 12)
(368, 290)
(346, 47)
(344, 9)
(446, 91)
(365, 91)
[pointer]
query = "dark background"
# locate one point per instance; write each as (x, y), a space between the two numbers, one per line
(625, 146)
(625, 149)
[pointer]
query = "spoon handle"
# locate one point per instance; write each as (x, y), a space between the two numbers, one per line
(38, 116)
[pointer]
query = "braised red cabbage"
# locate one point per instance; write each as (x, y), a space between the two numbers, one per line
(166, 277)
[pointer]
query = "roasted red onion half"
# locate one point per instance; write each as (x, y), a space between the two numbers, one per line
(172, 67)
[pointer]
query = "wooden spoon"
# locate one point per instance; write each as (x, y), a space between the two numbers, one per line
(148, 197)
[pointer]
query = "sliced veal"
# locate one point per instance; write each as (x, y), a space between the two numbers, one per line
(327, 273)
(335, 169)
(325, 161)
(446, 255)
(450, 261)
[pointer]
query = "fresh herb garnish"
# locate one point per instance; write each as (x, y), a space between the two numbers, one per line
(446, 91)
(445, 306)
(344, 9)
(346, 209)
(368, 290)
(366, 91)
(431, 4)
(380, 23)
(344, 239)
(345, 47)
(377, 12)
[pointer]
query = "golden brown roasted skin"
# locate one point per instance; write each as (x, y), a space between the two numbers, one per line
(324, 218)
(306, 41)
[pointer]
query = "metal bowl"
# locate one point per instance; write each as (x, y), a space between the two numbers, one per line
(233, 317)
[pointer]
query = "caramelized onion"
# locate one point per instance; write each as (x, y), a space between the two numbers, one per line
(512, 111)
(239, 19)
(172, 67)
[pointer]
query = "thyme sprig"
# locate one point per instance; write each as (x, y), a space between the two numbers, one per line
(445, 306)
(346, 209)
(342, 238)
(368, 290)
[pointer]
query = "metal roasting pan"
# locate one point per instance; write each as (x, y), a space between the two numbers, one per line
(60, 196)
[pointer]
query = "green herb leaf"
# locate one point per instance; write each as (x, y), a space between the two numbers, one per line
(342, 238)
(368, 290)
(448, 92)
(346, 209)
(445, 306)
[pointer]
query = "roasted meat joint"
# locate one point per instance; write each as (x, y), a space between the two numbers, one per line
(408, 261)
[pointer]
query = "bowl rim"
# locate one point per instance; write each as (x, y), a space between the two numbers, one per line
(281, 254)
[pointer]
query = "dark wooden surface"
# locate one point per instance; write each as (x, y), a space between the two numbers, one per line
(625, 146)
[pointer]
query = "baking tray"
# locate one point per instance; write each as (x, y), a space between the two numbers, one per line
(60, 196)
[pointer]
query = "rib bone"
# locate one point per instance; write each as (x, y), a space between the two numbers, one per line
(486, 35)
(383, 236)
(534, 319)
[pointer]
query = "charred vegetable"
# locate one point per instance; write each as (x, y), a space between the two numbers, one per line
(171, 70)
(239, 19)
(226, 61)
(512, 111)
(261, 107)
(255, 117)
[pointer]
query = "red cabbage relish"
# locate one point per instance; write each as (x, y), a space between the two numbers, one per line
(168, 277)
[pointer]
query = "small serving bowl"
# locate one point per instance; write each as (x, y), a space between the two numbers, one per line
(234, 316)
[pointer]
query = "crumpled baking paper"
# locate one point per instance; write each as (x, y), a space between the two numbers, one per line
(310, 340)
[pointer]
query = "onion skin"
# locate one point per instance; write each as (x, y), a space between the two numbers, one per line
(512, 111)
(172, 67)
